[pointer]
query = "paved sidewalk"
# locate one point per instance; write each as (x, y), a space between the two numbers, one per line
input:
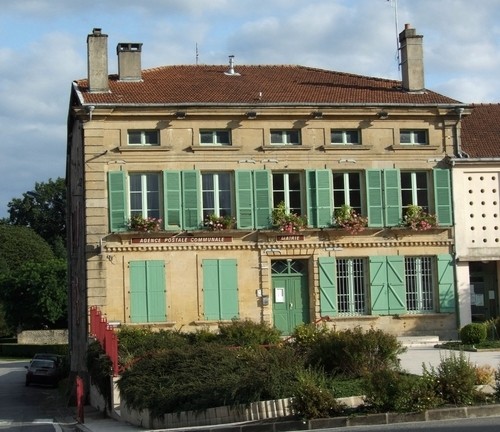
(411, 361)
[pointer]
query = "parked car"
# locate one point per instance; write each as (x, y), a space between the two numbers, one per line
(43, 371)
(49, 356)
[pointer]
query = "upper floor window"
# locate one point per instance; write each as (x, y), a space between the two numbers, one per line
(287, 189)
(143, 137)
(218, 137)
(414, 189)
(217, 194)
(416, 137)
(285, 137)
(144, 194)
(347, 190)
(339, 136)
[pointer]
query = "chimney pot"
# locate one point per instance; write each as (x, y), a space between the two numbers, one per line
(97, 61)
(412, 59)
(129, 61)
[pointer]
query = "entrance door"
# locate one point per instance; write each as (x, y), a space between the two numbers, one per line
(483, 281)
(290, 294)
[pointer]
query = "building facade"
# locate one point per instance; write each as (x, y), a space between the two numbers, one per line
(198, 148)
(476, 181)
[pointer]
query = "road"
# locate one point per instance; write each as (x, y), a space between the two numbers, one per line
(28, 409)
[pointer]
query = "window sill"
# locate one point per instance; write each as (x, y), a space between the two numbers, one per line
(344, 147)
(354, 317)
(418, 147)
(140, 149)
(211, 322)
(214, 148)
(285, 147)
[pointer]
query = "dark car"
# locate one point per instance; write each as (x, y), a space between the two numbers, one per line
(43, 371)
(48, 356)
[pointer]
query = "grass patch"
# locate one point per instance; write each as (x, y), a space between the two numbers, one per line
(345, 387)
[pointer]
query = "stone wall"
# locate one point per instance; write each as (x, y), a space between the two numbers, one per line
(42, 337)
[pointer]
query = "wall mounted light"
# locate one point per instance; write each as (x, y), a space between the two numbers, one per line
(317, 114)
(273, 251)
(383, 114)
(180, 115)
(251, 115)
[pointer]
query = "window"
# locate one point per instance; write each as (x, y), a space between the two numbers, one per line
(220, 137)
(419, 282)
(143, 137)
(351, 286)
(417, 137)
(217, 195)
(339, 136)
(285, 137)
(147, 291)
(347, 190)
(144, 193)
(220, 289)
(414, 190)
(286, 188)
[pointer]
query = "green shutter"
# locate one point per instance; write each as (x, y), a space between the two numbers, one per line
(244, 200)
(327, 286)
(396, 291)
(228, 289)
(156, 291)
(378, 285)
(211, 295)
(319, 198)
(374, 198)
(117, 201)
(172, 199)
(392, 196)
(262, 199)
(138, 292)
(191, 200)
(446, 283)
(442, 196)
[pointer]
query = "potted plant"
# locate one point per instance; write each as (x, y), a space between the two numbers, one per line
(286, 221)
(417, 219)
(149, 224)
(218, 223)
(347, 218)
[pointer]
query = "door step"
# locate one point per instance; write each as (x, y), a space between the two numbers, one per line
(418, 341)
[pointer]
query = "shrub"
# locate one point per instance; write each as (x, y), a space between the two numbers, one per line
(473, 333)
(391, 390)
(484, 375)
(305, 335)
(248, 333)
(355, 353)
(455, 379)
(314, 396)
(100, 369)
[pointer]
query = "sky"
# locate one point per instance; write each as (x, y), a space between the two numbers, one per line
(43, 48)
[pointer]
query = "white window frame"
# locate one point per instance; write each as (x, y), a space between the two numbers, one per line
(351, 286)
(416, 190)
(419, 282)
(145, 190)
(287, 191)
(286, 137)
(144, 137)
(347, 191)
(218, 137)
(345, 135)
(215, 193)
(413, 136)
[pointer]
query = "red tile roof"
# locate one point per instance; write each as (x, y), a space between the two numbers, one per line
(199, 85)
(481, 132)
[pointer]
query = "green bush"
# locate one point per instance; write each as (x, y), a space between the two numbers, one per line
(354, 352)
(306, 335)
(454, 378)
(390, 390)
(473, 333)
(100, 369)
(248, 333)
(314, 396)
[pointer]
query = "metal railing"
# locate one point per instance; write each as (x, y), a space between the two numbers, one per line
(105, 334)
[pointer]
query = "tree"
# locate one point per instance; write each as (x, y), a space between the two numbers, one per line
(35, 296)
(44, 210)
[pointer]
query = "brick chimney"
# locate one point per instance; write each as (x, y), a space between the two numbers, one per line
(129, 61)
(97, 61)
(412, 59)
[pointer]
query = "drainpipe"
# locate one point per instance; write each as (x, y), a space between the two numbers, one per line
(458, 138)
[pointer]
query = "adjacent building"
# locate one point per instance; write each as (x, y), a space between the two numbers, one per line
(476, 184)
(203, 155)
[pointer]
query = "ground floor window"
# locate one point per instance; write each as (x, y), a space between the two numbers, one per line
(351, 296)
(419, 283)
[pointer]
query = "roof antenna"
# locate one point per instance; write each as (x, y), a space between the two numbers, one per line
(395, 4)
(197, 54)
(231, 67)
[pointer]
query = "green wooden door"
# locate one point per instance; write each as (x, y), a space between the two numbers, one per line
(290, 295)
